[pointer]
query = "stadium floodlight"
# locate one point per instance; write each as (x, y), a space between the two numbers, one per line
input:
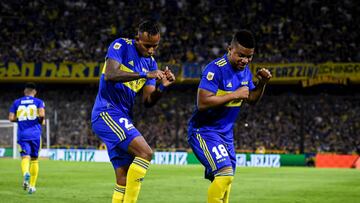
(8, 130)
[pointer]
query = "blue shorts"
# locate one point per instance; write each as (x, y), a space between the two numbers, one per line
(29, 147)
(212, 152)
(116, 131)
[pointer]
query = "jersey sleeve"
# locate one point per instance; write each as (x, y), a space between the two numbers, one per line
(250, 76)
(152, 68)
(210, 78)
(41, 104)
(13, 107)
(116, 51)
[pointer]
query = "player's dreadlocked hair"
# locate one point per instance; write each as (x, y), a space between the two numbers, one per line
(149, 26)
(245, 38)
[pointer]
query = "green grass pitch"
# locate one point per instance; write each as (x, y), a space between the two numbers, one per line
(93, 182)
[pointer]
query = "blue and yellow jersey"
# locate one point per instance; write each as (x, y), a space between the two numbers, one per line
(220, 78)
(120, 96)
(26, 111)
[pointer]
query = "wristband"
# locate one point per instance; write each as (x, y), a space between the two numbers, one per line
(142, 74)
(161, 88)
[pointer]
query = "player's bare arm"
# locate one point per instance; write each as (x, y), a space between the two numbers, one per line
(113, 73)
(12, 117)
(151, 94)
(41, 115)
(207, 99)
(255, 95)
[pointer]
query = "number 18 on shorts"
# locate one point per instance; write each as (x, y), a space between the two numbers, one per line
(213, 153)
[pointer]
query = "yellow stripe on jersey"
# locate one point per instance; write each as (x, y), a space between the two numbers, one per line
(134, 85)
(206, 151)
(104, 68)
(233, 103)
(113, 125)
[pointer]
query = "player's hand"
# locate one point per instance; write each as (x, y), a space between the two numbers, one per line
(264, 75)
(156, 74)
(169, 77)
(241, 93)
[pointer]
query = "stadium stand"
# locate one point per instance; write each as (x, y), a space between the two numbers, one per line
(286, 31)
(330, 121)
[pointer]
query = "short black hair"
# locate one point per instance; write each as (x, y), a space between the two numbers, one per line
(30, 85)
(149, 26)
(245, 38)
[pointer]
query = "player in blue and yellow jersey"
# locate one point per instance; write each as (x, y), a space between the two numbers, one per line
(225, 84)
(29, 113)
(129, 68)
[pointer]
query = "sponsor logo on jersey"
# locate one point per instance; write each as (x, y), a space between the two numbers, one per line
(30, 101)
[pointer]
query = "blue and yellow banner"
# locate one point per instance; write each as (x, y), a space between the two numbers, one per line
(59, 72)
(307, 74)
(50, 72)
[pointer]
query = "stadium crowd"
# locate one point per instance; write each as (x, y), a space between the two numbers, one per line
(193, 31)
(328, 123)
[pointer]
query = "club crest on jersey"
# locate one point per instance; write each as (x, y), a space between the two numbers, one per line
(117, 45)
(210, 76)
